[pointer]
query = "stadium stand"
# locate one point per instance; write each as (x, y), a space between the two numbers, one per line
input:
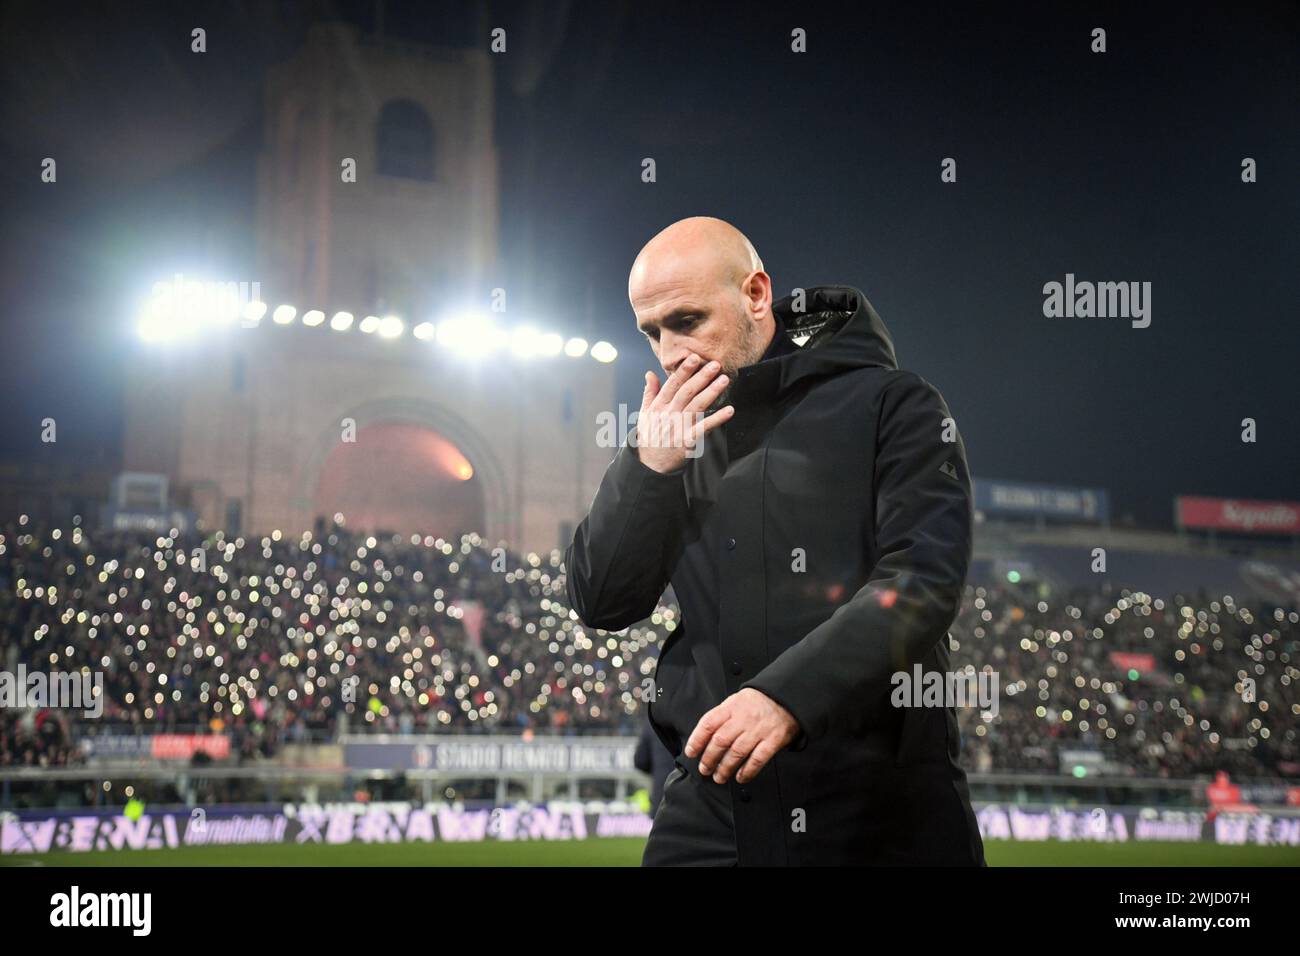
(260, 639)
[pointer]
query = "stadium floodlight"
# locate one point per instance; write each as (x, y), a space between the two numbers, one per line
(424, 331)
(471, 334)
(186, 306)
(182, 307)
(313, 318)
(164, 318)
(369, 324)
(341, 322)
(550, 344)
(284, 314)
(220, 303)
(161, 327)
(575, 348)
(524, 341)
(390, 326)
(154, 324)
(253, 313)
(604, 352)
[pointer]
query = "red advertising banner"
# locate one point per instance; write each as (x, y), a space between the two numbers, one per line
(1231, 514)
(1142, 663)
(184, 746)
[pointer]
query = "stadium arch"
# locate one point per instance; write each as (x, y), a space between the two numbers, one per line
(498, 512)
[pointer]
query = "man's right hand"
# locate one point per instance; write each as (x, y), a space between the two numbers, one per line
(672, 419)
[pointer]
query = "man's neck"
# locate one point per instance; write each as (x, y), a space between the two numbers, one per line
(779, 344)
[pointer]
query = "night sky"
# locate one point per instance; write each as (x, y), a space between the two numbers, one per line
(1123, 166)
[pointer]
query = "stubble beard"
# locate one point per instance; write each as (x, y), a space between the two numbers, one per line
(747, 351)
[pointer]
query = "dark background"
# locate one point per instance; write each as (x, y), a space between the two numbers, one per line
(1116, 167)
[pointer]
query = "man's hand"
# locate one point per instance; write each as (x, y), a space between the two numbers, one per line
(672, 419)
(748, 727)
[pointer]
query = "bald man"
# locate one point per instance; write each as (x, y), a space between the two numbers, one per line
(810, 504)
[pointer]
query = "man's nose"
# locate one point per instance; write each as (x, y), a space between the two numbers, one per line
(672, 353)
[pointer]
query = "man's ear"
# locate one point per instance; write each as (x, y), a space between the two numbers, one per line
(758, 294)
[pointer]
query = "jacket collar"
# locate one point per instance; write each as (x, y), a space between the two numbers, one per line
(824, 332)
(821, 332)
(780, 344)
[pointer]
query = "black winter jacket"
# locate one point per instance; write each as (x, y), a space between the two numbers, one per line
(817, 546)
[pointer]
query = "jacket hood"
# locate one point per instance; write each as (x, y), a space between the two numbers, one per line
(836, 331)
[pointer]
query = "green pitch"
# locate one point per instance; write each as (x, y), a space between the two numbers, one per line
(627, 852)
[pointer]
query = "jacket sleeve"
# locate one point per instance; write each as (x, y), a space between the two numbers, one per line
(618, 565)
(923, 510)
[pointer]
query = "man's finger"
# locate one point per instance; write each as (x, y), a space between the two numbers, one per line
(734, 757)
(684, 371)
(719, 744)
(707, 396)
(651, 389)
(703, 731)
(758, 759)
(694, 385)
(708, 423)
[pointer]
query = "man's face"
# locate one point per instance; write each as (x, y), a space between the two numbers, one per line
(680, 317)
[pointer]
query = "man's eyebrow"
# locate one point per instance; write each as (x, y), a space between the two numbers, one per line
(676, 315)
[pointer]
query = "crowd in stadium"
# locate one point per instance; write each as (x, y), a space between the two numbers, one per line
(281, 639)
(1154, 686)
